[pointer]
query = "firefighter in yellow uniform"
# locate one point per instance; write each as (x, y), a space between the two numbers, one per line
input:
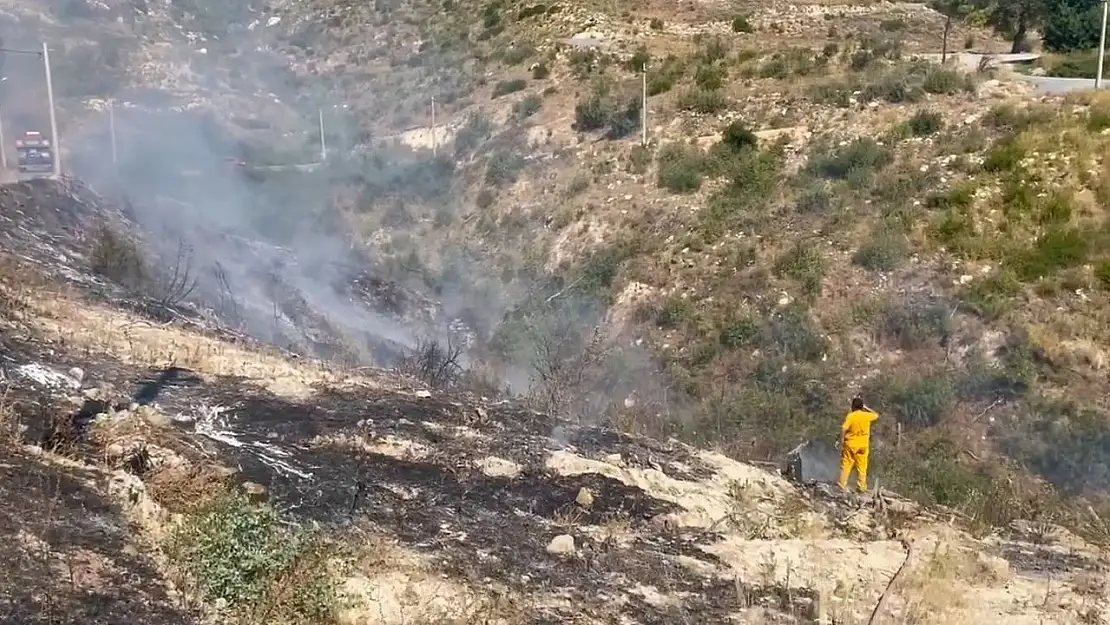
(855, 443)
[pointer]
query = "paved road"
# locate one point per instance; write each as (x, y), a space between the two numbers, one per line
(1059, 86)
(1046, 85)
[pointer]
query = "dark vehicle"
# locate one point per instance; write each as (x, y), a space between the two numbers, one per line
(36, 157)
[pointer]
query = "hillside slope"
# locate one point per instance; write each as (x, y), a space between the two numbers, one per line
(816, 213)
(153, 444)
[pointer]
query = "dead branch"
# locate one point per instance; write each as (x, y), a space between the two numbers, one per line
(181, 283)
(908, 546)
(436, 364)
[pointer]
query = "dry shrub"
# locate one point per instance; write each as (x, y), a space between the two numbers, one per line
(11, 430)
(435, 363)
(118, 257)
(186, 489)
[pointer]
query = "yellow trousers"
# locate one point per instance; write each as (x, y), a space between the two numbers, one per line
(853, 458)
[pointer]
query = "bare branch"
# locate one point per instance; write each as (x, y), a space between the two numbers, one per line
(434, 363)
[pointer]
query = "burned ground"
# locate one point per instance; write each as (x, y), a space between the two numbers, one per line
(69, 558)
(477, 527)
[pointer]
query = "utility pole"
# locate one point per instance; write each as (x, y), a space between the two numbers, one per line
(323, 140)
(434, 142)
(3, 145)
(1101, 47)
(53, 115)
(643, 109)
(112, 130)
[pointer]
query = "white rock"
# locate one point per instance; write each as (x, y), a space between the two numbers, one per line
(561, 545)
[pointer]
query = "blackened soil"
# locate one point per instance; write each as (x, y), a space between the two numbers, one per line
(67, 556)
(478, 527)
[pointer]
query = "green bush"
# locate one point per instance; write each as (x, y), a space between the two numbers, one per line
(675, 313)
(925, 123)
(656, 24)
(993, 296)
(591, 113)
(740, 24)
(919, 402)
(477, 129)
(702, 101)
(503, 168)
(815, 199)
(892, 25)
(638, 61)
(941, 81)
(528, 107)
(806, 265)
(242, 554)
(713, 49)
(1006, 156)
(518, 54)
(1076, 65)
(1071, 26)
(862, 155)
(710, 77)
(912, 325)
(625, 121)
(740, 332)
(1102, 274)
(789, 333)
(884, 252)
(484, 199)
(932, 472)
(505, 87)
(680, 169)
(737, 137)
(1059, 248)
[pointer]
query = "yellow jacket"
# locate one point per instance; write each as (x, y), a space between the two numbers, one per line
(856, 430)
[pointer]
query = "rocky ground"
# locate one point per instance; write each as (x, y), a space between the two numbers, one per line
(457, 508)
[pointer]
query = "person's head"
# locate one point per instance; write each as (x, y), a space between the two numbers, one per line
(857, 403)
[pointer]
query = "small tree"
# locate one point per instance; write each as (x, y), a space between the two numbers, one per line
(1014, 19)
(952, 10)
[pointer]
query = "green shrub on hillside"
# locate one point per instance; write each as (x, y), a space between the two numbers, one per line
(861, 155)
(702, 101)
(790, 333)
(710, 77)
(1057, 249)
(505, 87)
(918, 402)
(242, 554)
(680, 169)
(885, 251)
(740, 24)
(925, 123)
(737, 136)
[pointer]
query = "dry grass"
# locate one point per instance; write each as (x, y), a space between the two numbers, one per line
(94, 329)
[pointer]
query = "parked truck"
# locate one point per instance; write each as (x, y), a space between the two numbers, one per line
(36, 155)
